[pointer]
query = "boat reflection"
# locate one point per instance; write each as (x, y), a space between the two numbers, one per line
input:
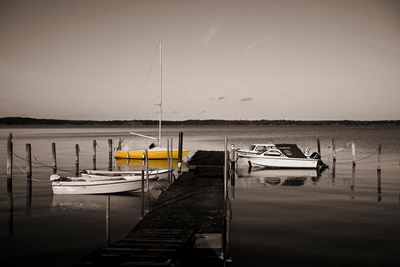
(155, 164)
(282, 177)
(80, 203)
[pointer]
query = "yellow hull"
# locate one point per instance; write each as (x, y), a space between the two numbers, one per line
(152, 154)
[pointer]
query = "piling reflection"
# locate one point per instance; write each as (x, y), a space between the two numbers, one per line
(379, 186)
(333, 174)
(10, 204)
(29, 197)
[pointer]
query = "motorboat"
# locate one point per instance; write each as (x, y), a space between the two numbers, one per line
(280, 156)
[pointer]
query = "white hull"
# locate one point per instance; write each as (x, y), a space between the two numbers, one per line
(281, 162)
(87, 185)
(133, 173)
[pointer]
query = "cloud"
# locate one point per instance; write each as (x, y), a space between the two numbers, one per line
(221, 97)
(215, 27)
(246, 99)
(259, 41)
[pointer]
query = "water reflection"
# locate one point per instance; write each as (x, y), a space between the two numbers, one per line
(379, 187)
(282, 177)
(10, 204)
(155, 164)
(79, 203)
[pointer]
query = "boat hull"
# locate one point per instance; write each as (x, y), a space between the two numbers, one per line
(152, 154)
(281, 162)
(88, 188)
(96, 184)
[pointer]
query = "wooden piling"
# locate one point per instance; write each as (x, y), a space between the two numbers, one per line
(333, 149)
(119, 143)
(353, 151)
(146, 156)
(180, 148)
(379, 157)
(28, 161)
(168, 163)
(94, 154)
(76, 159)
(9, 162)
(110, 153)
(233, 164)
(318, 145)
(225, 169)
(170, 159)
(142, 195)
(53, 151)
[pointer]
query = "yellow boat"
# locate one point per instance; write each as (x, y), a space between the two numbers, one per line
(152, 153)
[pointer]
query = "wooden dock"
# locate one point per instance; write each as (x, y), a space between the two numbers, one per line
(185, 228)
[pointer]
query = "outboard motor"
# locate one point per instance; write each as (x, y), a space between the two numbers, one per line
(315, 155)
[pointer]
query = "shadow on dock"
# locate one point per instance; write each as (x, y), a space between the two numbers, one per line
(185, 228)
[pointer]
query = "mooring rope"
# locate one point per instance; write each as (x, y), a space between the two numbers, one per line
(39, 163)
(92, 150)
(29, 178)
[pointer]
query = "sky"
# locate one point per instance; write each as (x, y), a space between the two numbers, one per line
(221, 59)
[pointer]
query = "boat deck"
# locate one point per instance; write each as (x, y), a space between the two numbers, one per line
(192, 207)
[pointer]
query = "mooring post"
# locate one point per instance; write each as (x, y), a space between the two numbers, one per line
(94, 154)
(170, 160)
(9, 162)
(379, 157)
(142, 196)
(225, 168)
(146, 156)
(28, 161)
(110, 154)
(168, 165)
(119, 143)
(333, 149)
(318, 145)
(76, 159)
(53, 151)
(353, 151)
(233, 164)
(180, 152)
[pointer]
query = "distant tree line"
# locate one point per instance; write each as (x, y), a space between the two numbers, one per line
(33, 121)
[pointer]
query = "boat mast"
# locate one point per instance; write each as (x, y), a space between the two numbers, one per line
(160, 119)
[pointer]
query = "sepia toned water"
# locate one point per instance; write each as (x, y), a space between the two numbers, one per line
(346, 216)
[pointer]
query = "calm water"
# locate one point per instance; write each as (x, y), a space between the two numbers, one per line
(345, 216)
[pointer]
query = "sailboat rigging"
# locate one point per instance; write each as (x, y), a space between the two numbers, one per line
(153, 152)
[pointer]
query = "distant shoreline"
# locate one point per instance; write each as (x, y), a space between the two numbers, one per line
(24, 121)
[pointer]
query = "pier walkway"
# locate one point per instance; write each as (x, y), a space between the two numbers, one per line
(185, 228)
